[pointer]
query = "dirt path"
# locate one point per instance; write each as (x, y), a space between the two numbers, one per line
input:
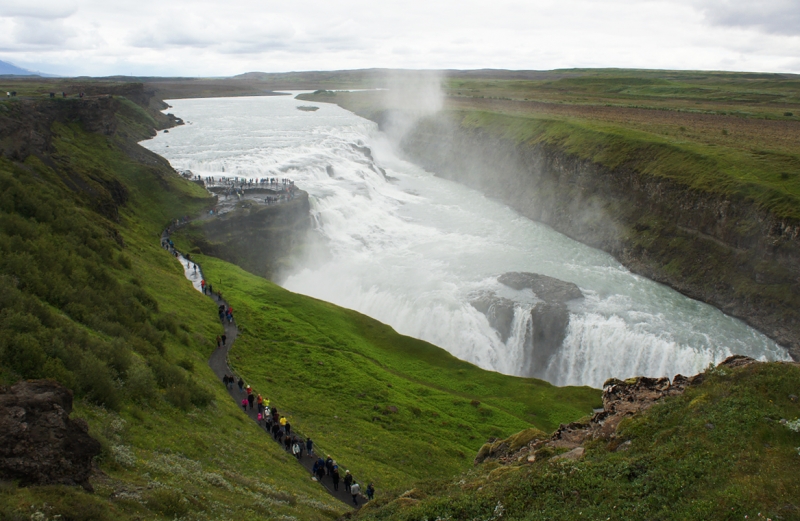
(219, 364)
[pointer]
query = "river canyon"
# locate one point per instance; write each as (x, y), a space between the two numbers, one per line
(427, 255)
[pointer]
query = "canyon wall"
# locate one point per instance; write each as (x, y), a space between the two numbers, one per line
(723, 251)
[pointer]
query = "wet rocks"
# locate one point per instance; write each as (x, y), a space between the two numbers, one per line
(39, 443)
(549, 316)
(549, 289)
(499, 311)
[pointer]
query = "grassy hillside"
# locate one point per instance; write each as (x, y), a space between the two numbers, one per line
(390, 408)
(720, 451)
(88, 298)
(93, 302)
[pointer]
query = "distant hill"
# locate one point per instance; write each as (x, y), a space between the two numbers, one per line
(9, 69)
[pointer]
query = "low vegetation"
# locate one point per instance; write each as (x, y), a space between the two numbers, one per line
(389, 408)
(723, 450)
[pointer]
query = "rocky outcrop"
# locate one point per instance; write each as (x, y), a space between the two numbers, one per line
(722, 250)
(549, 316)
(621, 399)
(39, 443)
(499, 311)
(259, 238)
(546, 288)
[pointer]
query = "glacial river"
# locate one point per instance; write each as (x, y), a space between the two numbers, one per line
(411, 249)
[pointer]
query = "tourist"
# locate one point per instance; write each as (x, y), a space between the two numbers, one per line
(309, 446)
(296, 450)
(370, 492)
(335, 478)
(348, 480)
(355, 490)
(241, 385)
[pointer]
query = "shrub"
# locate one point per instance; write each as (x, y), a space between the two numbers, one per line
(141, 385)
(168, 502)
(95, 382)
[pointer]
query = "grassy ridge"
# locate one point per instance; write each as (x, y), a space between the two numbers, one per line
(390, 408)
(93, 302)
(719, 451)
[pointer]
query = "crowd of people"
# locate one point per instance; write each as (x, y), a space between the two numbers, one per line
(279, 427)
(266, 414)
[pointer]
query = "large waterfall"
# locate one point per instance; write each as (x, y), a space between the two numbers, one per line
(413, 250)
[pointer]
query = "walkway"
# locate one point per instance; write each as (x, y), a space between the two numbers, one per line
(219, 364)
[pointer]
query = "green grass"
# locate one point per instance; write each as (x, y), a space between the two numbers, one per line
(717, 452)
(390, 408)
(756, 176)
(89, 298)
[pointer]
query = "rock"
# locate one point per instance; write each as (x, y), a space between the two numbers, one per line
(307, 108)
(623, 446)
(793, 397)
(573, 455)
(736, 361)
(499, 311)
(710, 426)
(39, 443)
(329, 170)
(549, 289)
(549, 321)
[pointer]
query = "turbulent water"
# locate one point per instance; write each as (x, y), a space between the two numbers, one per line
(411, 249)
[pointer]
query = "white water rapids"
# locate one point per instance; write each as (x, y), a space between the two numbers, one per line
(412, 249)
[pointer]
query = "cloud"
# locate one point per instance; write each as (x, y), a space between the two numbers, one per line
(768, 16)
(204, 37)
(48, 10)
(42, 32)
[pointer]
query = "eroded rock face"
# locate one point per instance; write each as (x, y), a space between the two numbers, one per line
(499, 311)
(549, 318)
(39, 443)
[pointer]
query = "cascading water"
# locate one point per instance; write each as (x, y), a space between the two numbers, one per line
(413, 250)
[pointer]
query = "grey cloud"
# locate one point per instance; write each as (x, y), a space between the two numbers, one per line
(49, 10)
(769, 16)
(42, 32)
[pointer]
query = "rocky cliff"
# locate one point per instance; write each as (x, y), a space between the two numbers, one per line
(39, 443)
(259, 238)
(724, 251)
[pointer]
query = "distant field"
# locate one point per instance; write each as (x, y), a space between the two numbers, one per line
(731, 133)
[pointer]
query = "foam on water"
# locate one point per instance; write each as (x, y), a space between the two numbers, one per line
(412, 250)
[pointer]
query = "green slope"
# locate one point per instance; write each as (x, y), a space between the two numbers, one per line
(720, 451)
(390, 408)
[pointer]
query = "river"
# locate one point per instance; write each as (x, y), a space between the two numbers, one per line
(411, 249)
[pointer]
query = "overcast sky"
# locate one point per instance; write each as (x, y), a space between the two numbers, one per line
(205, 38)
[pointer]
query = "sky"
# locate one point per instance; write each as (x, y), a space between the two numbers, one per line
(205, 38)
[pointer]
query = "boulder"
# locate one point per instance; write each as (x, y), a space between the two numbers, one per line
(39, 443)
(549, 289)
(549, 316)
(499, 311)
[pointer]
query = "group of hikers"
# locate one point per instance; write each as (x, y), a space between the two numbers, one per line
(268, 417)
